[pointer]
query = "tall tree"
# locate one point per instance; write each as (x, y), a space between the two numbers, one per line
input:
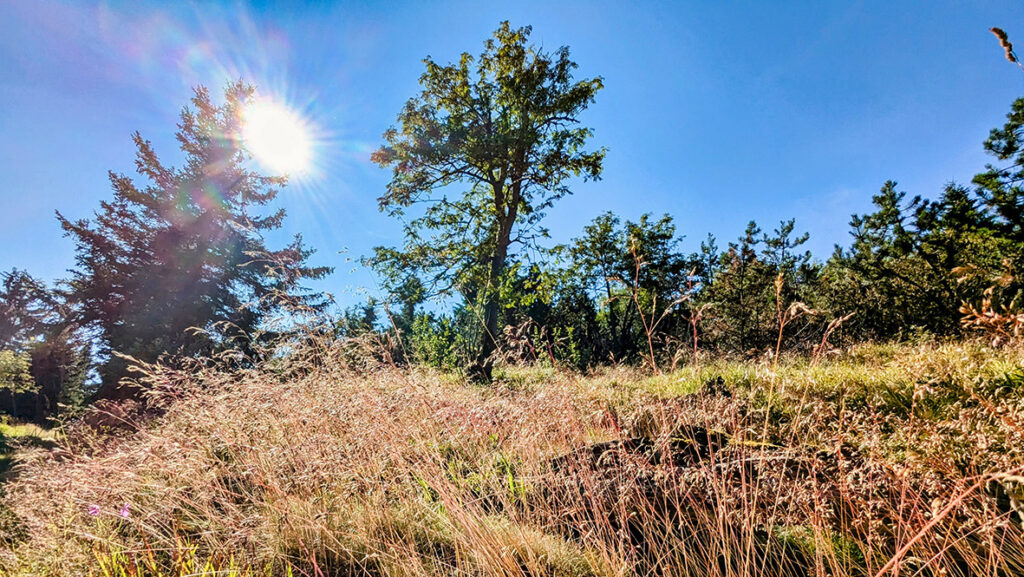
(25, 304)
(185, 250)
(597, 258)
(44, 358)
(1000, 192)
(505, 127)
(781, 251)
(741, 292)
(908, 263)
(1002, 188)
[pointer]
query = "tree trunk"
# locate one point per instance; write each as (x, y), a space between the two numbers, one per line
(482, 367)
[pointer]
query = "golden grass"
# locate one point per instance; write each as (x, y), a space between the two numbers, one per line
(886, 459)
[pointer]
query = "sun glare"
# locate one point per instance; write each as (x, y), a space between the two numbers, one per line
(278, 137)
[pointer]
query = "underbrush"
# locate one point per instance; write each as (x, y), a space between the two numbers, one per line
(884, 460)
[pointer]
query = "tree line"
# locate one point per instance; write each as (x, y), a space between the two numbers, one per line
(176, 263)
(493, 141)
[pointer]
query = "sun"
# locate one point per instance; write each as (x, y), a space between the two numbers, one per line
(278, 137)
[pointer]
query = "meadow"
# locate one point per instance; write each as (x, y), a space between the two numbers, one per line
(901, 459)
(504, 395)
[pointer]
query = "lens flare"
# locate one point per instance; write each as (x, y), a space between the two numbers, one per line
(278, 137)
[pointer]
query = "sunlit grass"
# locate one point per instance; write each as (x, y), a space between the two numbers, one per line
(13, 435)
(332, 469)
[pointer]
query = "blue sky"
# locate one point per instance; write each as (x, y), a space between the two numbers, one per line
(715, 112)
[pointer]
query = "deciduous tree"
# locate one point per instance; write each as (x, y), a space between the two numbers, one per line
(505, 128)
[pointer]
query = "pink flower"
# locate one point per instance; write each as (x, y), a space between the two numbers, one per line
(124, 512)
(94, 510)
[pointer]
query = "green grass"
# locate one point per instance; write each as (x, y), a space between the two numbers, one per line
(21, 435)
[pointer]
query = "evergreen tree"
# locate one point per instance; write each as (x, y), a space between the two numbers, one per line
(185, 250)
(45, 358)
(1000, 192)
(781, 251)
(25, 304)
(904, 265)
(614, 259)
(1002, 188)
(707, 261)
(742, 294)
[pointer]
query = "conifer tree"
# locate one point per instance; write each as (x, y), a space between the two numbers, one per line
(44, 358)
(185, 250)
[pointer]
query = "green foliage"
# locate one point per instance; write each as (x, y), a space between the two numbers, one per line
(1000, 188)
(612, 259)
(52, 355)
(476, 158)
(26, 307)
(437, 342)
(14, 372)
(61, 367)
(187, 562)
(913, 262)
(359, 319)
(503, 125)
(743, 291)
(622, 292)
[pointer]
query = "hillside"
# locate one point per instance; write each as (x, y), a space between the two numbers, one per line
(884, 459)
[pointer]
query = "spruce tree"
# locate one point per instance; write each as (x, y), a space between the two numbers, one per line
(185, 250)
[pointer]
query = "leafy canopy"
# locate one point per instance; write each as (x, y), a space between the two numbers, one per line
(505, 127)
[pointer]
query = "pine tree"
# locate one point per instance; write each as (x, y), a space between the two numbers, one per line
(44, 357)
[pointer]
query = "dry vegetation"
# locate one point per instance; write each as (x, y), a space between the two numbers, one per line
(884, 460)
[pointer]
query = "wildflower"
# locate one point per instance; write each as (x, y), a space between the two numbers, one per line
(94, 510)
(124, 511)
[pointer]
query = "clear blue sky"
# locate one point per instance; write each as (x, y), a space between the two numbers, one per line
(715, 112)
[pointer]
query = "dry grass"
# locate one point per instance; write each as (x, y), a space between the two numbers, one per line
(885, 460)
(24, 437)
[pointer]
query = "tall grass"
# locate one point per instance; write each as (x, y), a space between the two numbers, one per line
(886, 460)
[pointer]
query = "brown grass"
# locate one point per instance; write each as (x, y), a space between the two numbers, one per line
(883, 461)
